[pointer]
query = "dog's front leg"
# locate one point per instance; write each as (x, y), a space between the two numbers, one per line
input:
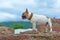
(34, 26)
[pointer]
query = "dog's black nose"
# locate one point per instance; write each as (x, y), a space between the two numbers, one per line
(23, 17)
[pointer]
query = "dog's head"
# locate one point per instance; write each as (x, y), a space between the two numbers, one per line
(25, 14)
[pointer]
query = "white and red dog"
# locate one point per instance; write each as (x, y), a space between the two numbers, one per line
(37, 19)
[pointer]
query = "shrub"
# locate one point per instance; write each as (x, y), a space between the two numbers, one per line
(18, 26)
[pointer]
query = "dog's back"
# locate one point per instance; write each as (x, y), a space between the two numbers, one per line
(39, 19)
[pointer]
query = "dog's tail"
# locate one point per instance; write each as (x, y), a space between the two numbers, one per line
(50, 24)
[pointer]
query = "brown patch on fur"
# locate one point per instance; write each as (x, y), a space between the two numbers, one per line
(31, 16)
(25, 14)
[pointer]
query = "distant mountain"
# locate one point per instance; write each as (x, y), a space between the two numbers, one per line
(10, 23)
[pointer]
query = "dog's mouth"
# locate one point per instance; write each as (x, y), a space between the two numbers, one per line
(23, 17)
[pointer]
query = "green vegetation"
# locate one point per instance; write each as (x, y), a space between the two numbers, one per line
(18, 26)
(1, 24)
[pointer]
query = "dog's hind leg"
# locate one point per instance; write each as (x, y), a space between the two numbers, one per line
(50, 24)
(46, 27)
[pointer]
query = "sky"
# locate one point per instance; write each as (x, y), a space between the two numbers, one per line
(11, 10)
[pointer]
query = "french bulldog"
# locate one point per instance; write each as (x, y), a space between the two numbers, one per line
(37, 19)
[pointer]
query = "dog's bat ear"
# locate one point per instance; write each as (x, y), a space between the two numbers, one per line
(26, 10)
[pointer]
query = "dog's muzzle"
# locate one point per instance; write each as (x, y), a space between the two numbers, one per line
(23, 17)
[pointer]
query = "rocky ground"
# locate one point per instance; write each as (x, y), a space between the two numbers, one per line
(31, 35)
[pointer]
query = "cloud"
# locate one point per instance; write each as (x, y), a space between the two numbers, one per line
(23, 4)
(5, 4)
(17, 4)
(57, 4)
(52, 7)
(30, 4)
(7, 16)
(27, 2)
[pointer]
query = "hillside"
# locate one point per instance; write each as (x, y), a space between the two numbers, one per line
(11, 23)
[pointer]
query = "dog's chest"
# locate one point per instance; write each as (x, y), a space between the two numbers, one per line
(39, 19)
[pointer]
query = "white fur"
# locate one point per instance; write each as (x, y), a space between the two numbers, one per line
(40, 20)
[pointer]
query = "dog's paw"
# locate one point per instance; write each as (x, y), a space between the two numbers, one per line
(34, 29)
(51, 30)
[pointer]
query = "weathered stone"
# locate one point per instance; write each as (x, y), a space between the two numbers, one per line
(5, 30)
